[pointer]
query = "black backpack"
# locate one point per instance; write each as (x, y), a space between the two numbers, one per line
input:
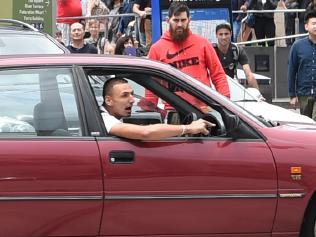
(235, 50)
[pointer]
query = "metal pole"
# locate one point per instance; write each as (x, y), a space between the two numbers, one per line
(54, 16)
(274, 72)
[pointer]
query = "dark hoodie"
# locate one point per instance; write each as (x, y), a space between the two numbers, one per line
(258, 5)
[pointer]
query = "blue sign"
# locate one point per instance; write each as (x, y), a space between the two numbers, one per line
(205, 16)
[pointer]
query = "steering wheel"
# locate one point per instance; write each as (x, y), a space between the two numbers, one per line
(189, 118)
(219, 128)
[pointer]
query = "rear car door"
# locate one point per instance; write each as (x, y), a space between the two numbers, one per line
(50, 176)
(186, 185)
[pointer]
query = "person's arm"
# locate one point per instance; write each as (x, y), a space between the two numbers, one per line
(271, 4)
(252, 82)
(243, 60)
(216, 71)
(292, 72)
(136, 10)
(159, 131)
(245, 5)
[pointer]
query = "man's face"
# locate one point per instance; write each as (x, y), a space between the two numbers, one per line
(179, 26)
(120, 100)
(310, 26)
(77, 32)
(223, 37)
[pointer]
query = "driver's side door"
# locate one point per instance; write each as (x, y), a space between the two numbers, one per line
(187, 185)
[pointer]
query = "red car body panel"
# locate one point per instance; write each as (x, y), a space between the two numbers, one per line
(178, 187)
(289, 151)
(60, 169)
(167, 170)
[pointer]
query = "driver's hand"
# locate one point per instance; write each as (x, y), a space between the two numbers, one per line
(200, 126)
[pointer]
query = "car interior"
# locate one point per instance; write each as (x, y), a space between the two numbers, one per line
(174, 103)
(46, 102)
(39, 102)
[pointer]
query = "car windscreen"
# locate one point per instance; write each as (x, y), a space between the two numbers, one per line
(238, 92)
(27, 44)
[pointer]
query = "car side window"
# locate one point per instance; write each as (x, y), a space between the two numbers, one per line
(157, 100)
(38, 102)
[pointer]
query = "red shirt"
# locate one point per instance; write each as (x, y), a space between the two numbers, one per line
(68, 8)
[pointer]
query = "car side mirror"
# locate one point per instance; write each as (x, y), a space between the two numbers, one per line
(232, 125)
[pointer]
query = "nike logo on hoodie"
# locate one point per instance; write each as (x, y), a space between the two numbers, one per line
(172, 55)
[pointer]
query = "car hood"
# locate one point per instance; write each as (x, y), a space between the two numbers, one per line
(291, 134)
(274, 113)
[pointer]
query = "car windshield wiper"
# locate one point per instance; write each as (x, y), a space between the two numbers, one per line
(269, 123)
(246, 100)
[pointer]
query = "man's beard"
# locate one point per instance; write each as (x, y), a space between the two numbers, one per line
(179, 37)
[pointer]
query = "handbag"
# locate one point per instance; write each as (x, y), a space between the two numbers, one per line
(250, 20)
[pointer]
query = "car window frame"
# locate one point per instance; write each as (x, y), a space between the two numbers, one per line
(167, 77)
(77, 89)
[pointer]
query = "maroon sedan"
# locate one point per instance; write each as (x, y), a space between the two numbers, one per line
(62, 174)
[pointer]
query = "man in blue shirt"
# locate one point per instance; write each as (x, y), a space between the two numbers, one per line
(302, 69)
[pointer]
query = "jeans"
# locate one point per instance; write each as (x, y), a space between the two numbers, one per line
(307, 106)
(236, 30)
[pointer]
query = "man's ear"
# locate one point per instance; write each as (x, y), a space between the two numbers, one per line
(108, 101)
(167, 19)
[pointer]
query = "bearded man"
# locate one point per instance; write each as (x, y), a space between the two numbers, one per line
(189, 52)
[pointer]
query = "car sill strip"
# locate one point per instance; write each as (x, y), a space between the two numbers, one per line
(150, 197)
(224, 196)
(34, 198)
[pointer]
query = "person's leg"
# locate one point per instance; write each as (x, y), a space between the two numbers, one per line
(301, 26)
(314, 111)
(269, 29)
(287, 25)
(246, 31)
(148, 32)
(259, 29)
(139, 34)
(306, 107)
(65, 30)
(236, 30)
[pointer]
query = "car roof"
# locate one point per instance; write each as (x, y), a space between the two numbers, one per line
(18, 30)
(80, 59)
(12, 24)
(92, 60)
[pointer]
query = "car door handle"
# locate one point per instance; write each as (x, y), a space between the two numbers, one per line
(122, 157)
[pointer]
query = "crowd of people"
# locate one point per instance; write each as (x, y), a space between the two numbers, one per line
(110, 29)
(105, 35)
(262, 25)
(189, 52)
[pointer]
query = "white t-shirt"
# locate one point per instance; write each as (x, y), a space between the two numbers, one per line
(109, 120)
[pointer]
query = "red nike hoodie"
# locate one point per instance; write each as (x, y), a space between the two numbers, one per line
(194, 56)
